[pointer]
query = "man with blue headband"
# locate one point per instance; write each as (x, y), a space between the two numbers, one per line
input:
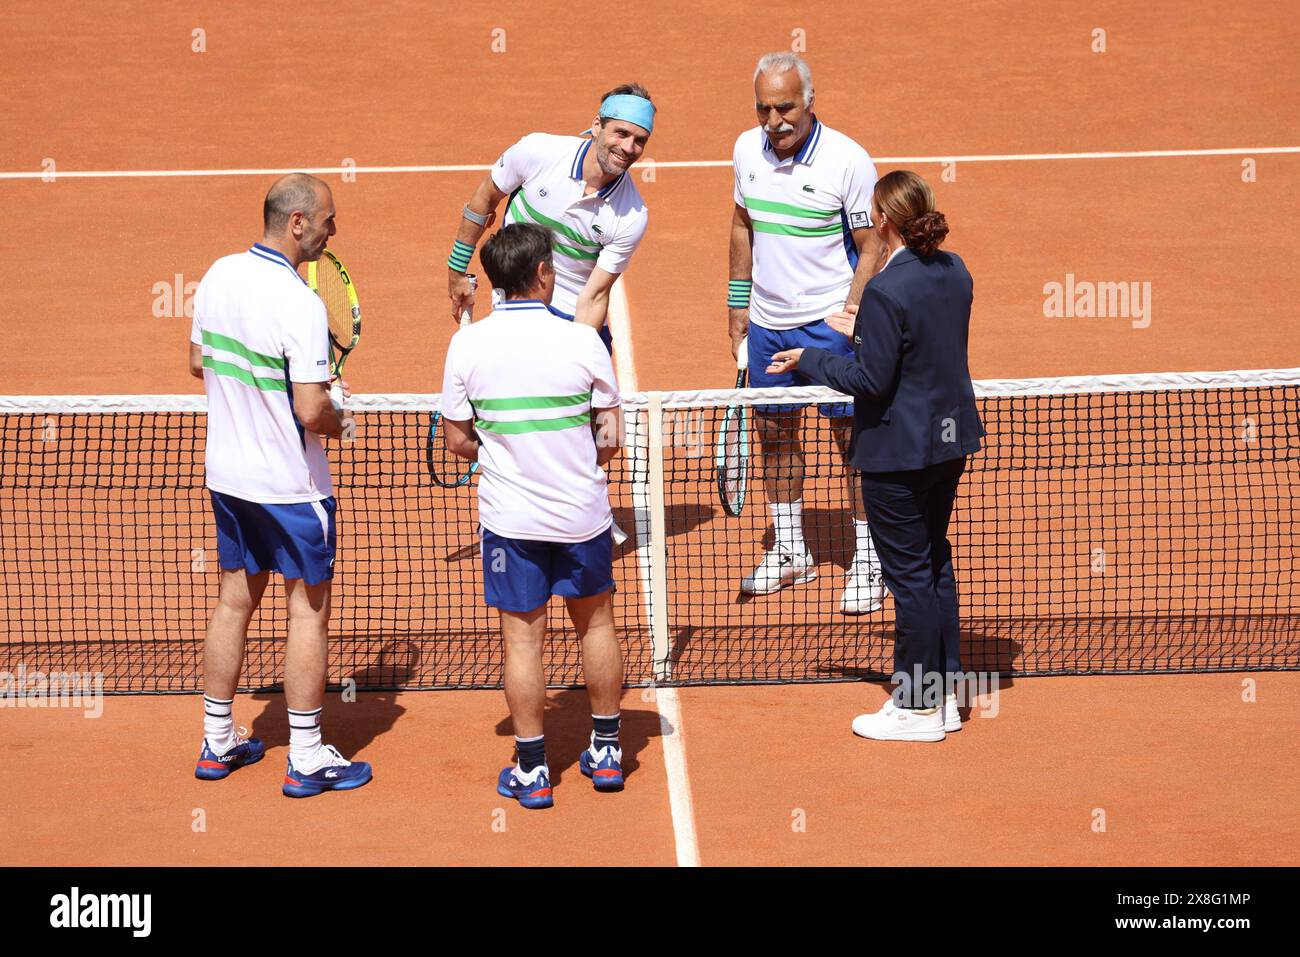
(578, 188)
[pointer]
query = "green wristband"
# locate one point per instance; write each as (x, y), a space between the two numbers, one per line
(461, 254)
(738, 293)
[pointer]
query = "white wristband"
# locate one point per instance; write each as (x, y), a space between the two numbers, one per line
(478, 219)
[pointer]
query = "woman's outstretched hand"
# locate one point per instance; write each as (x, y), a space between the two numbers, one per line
(786, 361)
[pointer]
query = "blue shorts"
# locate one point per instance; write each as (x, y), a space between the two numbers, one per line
(603, 331)
(296, 540)
(520, 574)
(765, 343)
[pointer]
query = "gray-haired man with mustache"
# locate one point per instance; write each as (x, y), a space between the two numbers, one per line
(802, 247)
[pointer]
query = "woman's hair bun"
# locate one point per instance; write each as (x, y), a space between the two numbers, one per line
(925, 233)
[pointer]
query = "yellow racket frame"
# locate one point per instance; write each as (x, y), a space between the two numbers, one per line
(336, 363)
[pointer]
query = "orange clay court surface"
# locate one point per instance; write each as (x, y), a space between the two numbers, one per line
(1185, 771)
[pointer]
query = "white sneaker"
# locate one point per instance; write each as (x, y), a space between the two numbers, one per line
(779, 567)
(951, 716)
(864, 588)
(326, 756)
(892, 723)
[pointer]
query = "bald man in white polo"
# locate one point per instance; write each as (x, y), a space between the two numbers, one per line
(260, 343)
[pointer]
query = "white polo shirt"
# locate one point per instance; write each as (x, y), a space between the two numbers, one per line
(543, 174)
(529, 380)
(803, 210)
(261, 328)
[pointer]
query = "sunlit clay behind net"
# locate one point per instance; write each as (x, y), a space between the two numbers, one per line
(1117, 524)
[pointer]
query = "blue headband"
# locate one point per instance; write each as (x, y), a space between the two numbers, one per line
(634, 109)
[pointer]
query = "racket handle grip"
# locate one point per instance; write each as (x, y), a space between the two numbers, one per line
(466, 317)
(742, 354)
(336, 396)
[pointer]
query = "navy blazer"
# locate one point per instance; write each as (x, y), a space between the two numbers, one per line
(913, 401)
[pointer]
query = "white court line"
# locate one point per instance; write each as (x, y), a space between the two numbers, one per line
(161, 173)
(666, 164)
(671, 731)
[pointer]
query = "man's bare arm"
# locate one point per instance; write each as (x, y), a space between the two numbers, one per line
(593, 301)
(871, 258)
(196, 360)
(607, 428)
(461, 438)
(312, 406)
(741, 267)
(487, 197)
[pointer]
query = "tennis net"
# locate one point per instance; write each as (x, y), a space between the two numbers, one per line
(1123, 524)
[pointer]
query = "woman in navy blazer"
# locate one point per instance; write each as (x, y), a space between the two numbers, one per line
(915, 421)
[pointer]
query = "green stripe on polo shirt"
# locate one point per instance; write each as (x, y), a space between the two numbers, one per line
(781, 229)
(530, 402)
(786, 209)
(572, 253)
(533, 425)
(556, 227)
(232, 371)
(227, 344)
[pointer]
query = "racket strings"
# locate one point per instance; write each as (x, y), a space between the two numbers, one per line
(333, 291)
(447, 469)
(733, 459)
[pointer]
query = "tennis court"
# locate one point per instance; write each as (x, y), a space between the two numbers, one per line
(1125, 543)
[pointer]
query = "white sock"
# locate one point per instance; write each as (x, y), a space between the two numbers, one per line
(219, 724)
(787, 521)
(305, 750)
(866, 551)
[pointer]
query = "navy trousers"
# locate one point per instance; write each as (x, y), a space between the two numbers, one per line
(908, 513)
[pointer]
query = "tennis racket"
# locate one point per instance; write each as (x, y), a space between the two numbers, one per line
(329, 279)
(447, 470)
(733, 444)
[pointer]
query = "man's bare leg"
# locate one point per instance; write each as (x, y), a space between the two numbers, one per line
(782, 462)
(223, 655)
(602, 666)
(223, 646)
(525, 679)
(524, 634)
(602, 658)
(306, 661)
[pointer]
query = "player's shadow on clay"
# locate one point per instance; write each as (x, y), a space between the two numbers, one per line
(350, 725)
